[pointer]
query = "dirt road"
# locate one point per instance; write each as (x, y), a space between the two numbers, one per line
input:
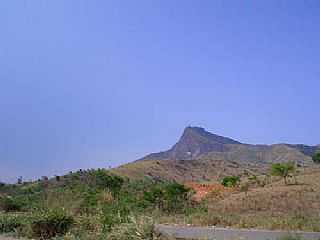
(213, 233)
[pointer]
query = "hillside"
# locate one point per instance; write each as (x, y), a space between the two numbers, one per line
(200, 156)
(272, 206)
(127, 201)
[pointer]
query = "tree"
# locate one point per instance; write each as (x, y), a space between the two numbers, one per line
(316, 157)
(230, 181)
(112, 182)
(283, 170)
(20, 180)
(170, 197)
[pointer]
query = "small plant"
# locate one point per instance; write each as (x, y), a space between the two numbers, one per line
(51, 223)
(244, 187)
(283, 170)
(141, 229)
(230, 181)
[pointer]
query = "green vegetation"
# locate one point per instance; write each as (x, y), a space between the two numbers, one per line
(169, 197)
(316, 157)
(230, 181)
(283, 170)
(91, 204)
(9, 204)
(10, 223)
(96, 205)
(51, 223)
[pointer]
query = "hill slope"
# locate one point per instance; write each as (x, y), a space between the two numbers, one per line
(200, 155)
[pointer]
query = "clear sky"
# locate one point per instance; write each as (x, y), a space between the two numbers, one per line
(88, 84)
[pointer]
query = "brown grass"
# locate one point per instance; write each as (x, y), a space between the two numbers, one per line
(275, 206)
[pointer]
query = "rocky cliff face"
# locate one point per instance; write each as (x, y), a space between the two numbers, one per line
(194, 142)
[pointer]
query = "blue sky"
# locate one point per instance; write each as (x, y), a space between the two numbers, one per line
(88, 84)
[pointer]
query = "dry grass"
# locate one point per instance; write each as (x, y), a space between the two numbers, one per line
(275, 206)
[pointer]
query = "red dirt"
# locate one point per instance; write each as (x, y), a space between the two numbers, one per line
(202, 190)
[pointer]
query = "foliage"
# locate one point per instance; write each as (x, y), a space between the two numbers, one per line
(282, 170)
(112, 182)
(10, 223)
(115, 213)
(51, 223)
(10, 204)
(316, 157)
(167, 197)
(137, 229)
(230, 181)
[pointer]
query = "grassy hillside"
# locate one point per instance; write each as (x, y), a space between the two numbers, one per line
(98, 204)
(89, 205)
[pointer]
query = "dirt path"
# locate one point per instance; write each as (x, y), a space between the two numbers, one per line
(212, 233)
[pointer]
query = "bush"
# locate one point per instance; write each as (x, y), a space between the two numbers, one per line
(10, 223)
(282, 170)
(112, 182)
(316, 157)
(114, 214)
(9, 204)
(168, 197)
(142, 229)
(50, 224)
(230, 181)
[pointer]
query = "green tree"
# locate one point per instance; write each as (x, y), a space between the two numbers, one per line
(283, 170)
(230, 181)
(316, 157)
(113, 182)
(168, 197)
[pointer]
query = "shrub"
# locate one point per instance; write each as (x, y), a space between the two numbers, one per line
(168, 197)
(113, 214)
(142, 229)
(113, 183)
(176, 196)
(10, 223)
(316, 157)
(230, 181)
(50, 224)
(9, 204)
(282, 170)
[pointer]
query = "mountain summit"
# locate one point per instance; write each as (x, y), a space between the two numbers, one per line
(194, 142)
(200, 155)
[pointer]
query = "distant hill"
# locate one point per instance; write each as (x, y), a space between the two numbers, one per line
(200, 155)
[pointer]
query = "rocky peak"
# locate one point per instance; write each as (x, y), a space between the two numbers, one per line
(194, 142)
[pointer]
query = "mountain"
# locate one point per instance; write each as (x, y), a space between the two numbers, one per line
(201, 155)
(194, 142)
